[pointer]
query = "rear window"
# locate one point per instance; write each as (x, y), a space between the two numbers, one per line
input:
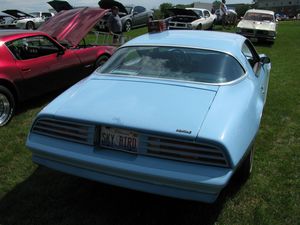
(259, 17)
(174, 63)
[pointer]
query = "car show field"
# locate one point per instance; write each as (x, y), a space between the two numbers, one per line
(30, 194)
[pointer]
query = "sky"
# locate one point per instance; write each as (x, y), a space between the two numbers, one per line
(41, 5)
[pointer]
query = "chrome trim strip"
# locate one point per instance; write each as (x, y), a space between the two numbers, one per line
(186, 81)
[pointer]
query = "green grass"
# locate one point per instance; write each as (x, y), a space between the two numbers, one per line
(36, 195)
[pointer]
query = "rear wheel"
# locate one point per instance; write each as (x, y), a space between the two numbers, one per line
(199, 27)
(246, 167)
(30, 25)
(101, 60)
(127, 26)
(7, 105)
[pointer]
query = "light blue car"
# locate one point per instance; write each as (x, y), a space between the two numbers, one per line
(173, 113)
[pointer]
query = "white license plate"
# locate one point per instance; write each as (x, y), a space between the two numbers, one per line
(119, 139)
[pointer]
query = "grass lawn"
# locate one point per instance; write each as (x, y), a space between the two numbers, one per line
(35, 195)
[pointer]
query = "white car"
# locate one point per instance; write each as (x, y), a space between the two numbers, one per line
(24, 20)
(191, 18)
(258, 25)
(44, 15)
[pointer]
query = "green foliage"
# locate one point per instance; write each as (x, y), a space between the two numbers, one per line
(182, 6)
(241, 9)
(163, 8)
(157, 14)
(216, 4)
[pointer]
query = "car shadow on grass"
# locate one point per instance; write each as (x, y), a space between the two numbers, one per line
(266, 44)
(50, 197)
(36, 102)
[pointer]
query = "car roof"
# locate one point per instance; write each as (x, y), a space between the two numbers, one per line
(11, 34)
(260, 11)
(211, 40)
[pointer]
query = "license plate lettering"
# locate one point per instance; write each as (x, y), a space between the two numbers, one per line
(127, 142)
(118, 139)
(107, 139)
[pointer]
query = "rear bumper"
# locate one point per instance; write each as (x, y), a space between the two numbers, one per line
(153, 175)
(257, 35)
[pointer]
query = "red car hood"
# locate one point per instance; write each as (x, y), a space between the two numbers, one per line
(72, 26)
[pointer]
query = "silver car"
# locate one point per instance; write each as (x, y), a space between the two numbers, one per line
(132, 16)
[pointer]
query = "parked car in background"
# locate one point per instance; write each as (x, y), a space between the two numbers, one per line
(174, 113)
(6, 21)
(35, 62)
(258, 25)
(132, 16)
(24, 20)
(44, 15)
(281, 16)
(191, 18)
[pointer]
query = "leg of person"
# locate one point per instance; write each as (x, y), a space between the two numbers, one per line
(223, 21)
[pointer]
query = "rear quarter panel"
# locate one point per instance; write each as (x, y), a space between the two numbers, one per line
(89, 55)
(234, 118)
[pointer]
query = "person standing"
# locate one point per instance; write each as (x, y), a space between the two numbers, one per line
(223, 12)
(114, 24)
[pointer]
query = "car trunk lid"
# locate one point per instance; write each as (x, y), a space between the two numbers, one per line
(257, 25)
(108, 4)
(60, 5)
(149, 106)
(182, 12)
(17, 14)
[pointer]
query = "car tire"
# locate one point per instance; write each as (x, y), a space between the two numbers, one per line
(7, 105)
(127, 26)
(199, 27)
(101, 60)
(246, 167)
(30, 25)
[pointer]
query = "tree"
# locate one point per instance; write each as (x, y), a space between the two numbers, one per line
(182, 6)
(216, 5)
(241, 9)
(163, 8)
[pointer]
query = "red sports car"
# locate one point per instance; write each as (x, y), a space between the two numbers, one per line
(36, 62)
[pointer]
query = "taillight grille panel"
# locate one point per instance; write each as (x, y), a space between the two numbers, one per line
(150, 145)
(186, 151)
(70, 131)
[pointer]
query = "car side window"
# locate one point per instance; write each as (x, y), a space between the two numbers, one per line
(46, 15)
(32, 47)
(251, 55)
(139, 9)
(206, 13)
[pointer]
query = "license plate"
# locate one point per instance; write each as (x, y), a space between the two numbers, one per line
(119, 139)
